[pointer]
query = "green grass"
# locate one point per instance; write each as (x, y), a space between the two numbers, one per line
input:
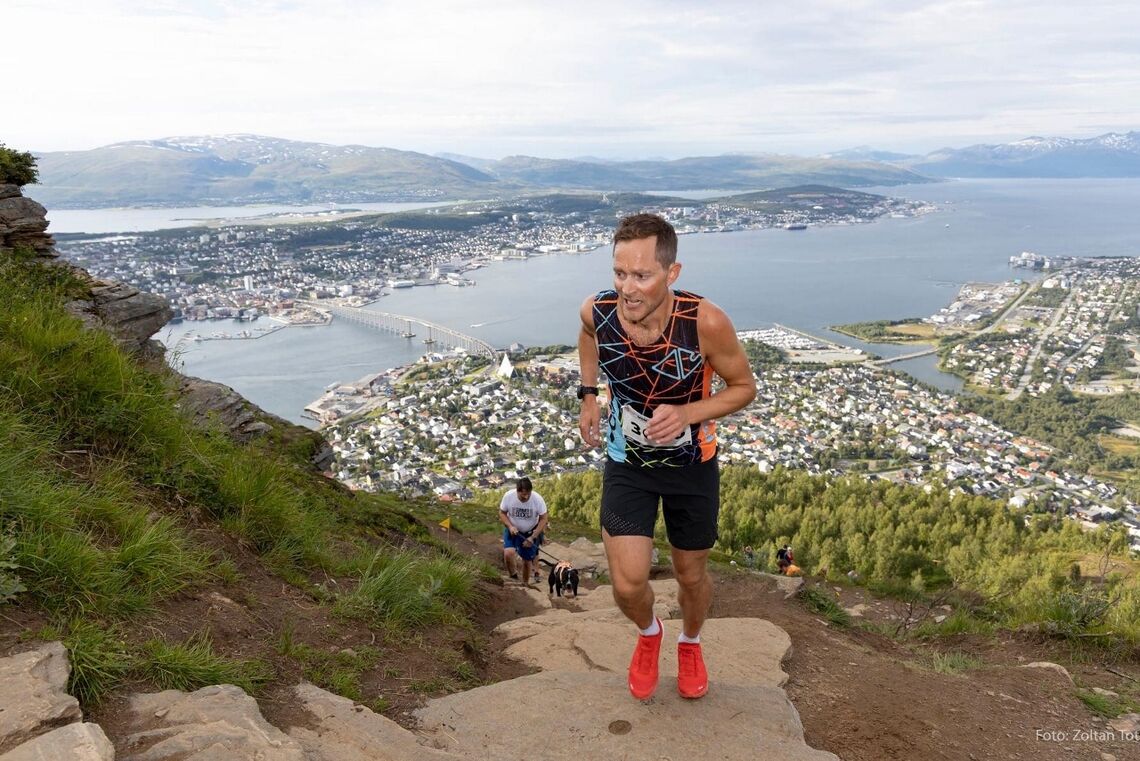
(1106, 705)
(958, 622)
(189, 665)
(953, 663)
(85, 547)
(823, 604)
(100, 658)
(87, 537)
(339, 672)
(407, 590)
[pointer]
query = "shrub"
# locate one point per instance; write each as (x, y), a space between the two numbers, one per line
(17, 167)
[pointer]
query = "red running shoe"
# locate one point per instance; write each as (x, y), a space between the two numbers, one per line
(643, 665)
(692, 678)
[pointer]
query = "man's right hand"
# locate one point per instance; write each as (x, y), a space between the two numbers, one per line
(589, 421)
(514, 531)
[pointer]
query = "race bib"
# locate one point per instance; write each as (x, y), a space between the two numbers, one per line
(633, 425)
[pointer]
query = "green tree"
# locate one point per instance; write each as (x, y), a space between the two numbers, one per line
(17, 167)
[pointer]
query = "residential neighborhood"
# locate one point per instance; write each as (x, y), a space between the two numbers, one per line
(1058, 334)
(460, 424)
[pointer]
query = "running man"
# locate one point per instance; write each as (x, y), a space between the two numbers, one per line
(659, 349)
(523, 515)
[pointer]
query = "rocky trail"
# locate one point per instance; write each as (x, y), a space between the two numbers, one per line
(848, 694)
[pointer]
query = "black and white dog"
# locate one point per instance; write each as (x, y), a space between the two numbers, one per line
(563, 577)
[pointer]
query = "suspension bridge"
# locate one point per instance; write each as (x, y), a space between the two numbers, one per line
(903, 357)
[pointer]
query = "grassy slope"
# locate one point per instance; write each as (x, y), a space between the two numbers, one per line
(117, 507)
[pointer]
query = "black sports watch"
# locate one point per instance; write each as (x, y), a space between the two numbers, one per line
(583, 391)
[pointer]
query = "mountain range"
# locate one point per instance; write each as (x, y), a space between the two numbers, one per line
(246, 169)
(1110, 155)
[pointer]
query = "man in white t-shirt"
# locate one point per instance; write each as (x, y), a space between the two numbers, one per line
(523, 515)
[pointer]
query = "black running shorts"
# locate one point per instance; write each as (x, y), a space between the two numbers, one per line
(689, 496)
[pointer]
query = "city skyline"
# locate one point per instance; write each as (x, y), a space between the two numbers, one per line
(640, 80)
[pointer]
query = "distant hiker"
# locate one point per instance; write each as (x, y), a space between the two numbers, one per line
(784, 558)
(749, 557)
(523, 515)
(659, 349)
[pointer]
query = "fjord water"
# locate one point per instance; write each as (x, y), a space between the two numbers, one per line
(889, 269)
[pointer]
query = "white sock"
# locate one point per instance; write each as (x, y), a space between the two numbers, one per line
(653, 629)
(690, 640)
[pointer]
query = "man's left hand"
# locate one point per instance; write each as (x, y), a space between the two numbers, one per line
(668, 422)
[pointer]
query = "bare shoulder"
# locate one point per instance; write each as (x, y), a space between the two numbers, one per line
(586, 312)
(713, 324)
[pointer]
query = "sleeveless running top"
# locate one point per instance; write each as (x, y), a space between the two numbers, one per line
(670, 371)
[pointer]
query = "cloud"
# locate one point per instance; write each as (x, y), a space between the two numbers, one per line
(573, 78)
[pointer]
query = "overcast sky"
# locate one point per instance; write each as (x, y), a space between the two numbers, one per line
(576, 78)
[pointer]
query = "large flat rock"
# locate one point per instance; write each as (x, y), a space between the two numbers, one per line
(665, 602)
(590, 715)
(740, 651)
(586, 556)
(338, 729)
(74, 742)
(219, 723)
(33, 694)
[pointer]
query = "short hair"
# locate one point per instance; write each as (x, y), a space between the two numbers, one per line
(640, 226)
(524, 484)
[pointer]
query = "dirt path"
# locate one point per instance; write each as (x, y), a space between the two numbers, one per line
(866, 697)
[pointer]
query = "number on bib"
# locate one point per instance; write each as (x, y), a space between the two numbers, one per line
(634, 424)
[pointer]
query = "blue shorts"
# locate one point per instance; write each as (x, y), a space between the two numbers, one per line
(516, 543)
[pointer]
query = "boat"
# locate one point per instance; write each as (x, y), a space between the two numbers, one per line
(401, 283)
(795, 226)
(408, 333)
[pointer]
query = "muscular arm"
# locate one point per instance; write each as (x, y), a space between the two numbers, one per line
(590, 416)
(726, 356)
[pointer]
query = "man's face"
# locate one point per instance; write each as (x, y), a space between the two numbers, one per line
(524, 494)
(640, 280)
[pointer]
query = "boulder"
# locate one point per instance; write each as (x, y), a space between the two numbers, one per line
(131, 315)
(339, 729)
(586, 556)
(208, 402)
(34, 697)
(789, 585)
(74, 742)
(219, 723)
(590, 715)
(1128, 724)
(23, 222)
(1056, 667)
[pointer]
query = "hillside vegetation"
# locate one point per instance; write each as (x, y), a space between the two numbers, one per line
(997, 566)
(113, 505)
